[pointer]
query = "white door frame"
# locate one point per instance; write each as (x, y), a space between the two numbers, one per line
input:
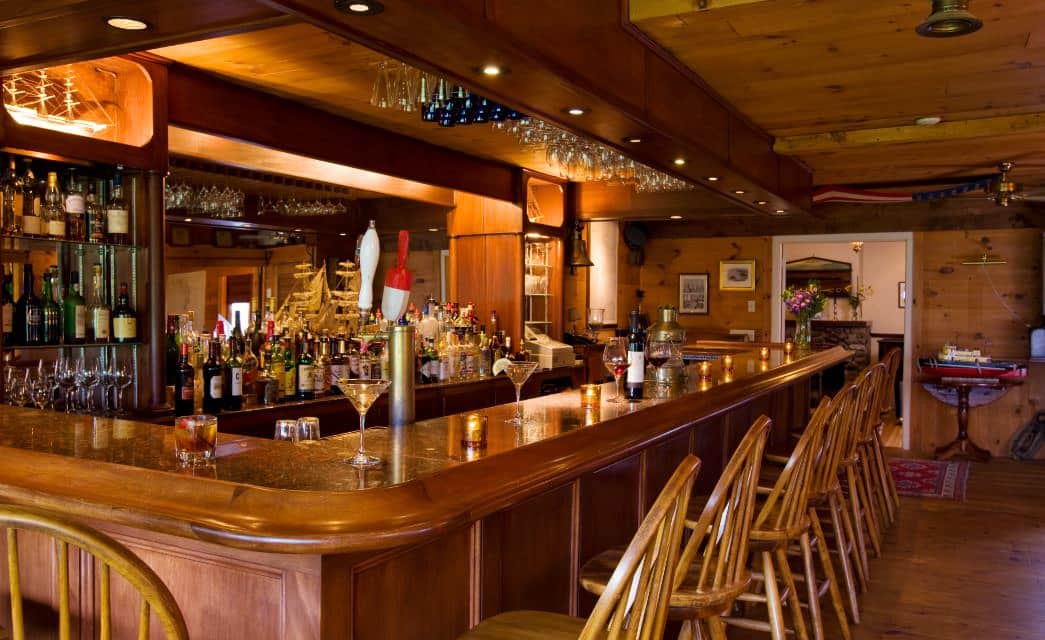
(777, 327)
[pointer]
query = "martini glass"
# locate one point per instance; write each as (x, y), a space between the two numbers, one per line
(519, 373)
(362, 394)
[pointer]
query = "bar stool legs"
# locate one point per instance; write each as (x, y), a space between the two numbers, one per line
(829, 574)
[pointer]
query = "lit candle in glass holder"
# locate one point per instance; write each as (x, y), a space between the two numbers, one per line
(705, 369)
(763, 354)
(789, 347)
(727, 364)
(590, 394)
(727, 376)
(474, 431)
(763, 366)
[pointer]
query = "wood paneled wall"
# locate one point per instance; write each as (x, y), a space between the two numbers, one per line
(666, 258)
(967, 305)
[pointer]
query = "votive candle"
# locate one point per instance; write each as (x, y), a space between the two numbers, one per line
(705, 369)
(590, 395)
(763, 354)
(789, 346)
(727, 363)
(474, 431)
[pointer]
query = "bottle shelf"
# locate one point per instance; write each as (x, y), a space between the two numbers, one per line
(10, 243)
(86, 345)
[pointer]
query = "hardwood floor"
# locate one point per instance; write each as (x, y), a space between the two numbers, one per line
(953, 570)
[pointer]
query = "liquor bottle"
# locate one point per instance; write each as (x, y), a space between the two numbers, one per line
(339, 366)
(8, 310)
(117, 217)
(256, 332)
(75, 312)
(124, 320)
(234, 378)
(31, 223)
(321, 372)
(636, 376)
(75, 210)
(289, 370)
(54, 208)
(184, 385)
(213, 380)
(50, 327)
(173, 348)
(95, 212)
(306, 389)
(236, 341)
(28, 312)
(98, 329)
(250, 365)
(12, 198)
(268, 346)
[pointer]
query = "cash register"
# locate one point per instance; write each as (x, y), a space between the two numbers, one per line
(548, 353)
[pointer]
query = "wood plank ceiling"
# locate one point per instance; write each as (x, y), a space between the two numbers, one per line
(800, 67)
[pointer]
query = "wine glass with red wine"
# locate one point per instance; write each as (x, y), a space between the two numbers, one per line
(615, 357)
(658, 352)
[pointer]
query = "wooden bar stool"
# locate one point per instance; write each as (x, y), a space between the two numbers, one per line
(635, 601)
(857, 467)
(886, 485)
(713, 568)
(784, 519)
(155, 597)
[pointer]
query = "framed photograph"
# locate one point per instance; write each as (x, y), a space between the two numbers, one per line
(736, 275)
(223, 238)
(901, 294)
(693, 293)
(180, 236)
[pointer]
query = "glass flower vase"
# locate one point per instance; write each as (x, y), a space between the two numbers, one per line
(803, 332)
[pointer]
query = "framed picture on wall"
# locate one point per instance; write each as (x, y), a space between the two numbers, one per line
(693, 293)
(901, 294)
(736, 275)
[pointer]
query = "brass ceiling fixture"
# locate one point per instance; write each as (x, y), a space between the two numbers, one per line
(949, 18)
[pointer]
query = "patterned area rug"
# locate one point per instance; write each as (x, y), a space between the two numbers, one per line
(930, 478)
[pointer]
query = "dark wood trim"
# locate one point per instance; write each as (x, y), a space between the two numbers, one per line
(203, 102)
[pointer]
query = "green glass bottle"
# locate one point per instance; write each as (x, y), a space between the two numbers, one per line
(75, 312)
(52, 315)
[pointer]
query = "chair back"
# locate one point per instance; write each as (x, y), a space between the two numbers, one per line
(835, 443)
(635, 602)
(870, 405)
(155, 597)
(788, 501)
(892, 362)
(720, 536)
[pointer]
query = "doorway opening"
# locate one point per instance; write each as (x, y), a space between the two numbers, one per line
(882, 269)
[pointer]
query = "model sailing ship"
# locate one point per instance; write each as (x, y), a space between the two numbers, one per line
(954, 361)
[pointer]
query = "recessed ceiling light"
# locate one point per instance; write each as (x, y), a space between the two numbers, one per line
(359, 7)
(761, 203)
(491, 70)
(576, 111)
(633, 139)
(188, 219)
(297, 230)
(126, 24)
(342, 234)
(739, 192)
(680, 161)
(928, 121)
(780, 212)
(675, 217)
(713, 178)
(434, 229)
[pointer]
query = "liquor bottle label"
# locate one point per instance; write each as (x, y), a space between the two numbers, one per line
(636, 367)
(31, 225)
(101, 324)
(306, 383)
(80, 319)
(338, 371)
(124, 328)
(36, 317)
(117, 221)
(289, 382)
(74, 203)
(9, 312)
(56, 228)
(186, 390)
(215, 387)
(236, 383)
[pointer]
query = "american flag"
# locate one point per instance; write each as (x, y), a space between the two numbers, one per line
(828, 194)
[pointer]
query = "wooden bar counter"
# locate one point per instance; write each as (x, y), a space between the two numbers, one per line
(277, 540)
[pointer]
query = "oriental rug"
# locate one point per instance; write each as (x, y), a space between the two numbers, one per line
(930, 478)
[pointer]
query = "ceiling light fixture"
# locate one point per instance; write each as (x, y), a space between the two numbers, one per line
(949, 18)
(761, 203)
(674, 217)
(633, 139)
(739, 192)
(928, 121)
(680, 161)
(780, 212)
(491, 70)
(125, 23)
(359, 7)
(188, 219)
(713, 178)
(433, 229)
(297, 230)
(576, 111)
(342, 234)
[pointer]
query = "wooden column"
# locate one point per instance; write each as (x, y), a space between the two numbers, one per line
(154, 393)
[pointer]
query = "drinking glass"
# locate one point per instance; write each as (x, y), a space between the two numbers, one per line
(596, 317)
(362, 394)
(615, 358)
(67, 381)
(286, 430)
(658, 352)
(195, 437)
(307, 429)
(105, 375)
(121, 379)
(87, 378)
(519, 373)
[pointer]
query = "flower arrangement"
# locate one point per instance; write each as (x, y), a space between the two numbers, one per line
(804, 302)
(857, 294)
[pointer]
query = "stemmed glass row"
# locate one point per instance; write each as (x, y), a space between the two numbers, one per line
(69, 384)
(212, 201)
(294, 207)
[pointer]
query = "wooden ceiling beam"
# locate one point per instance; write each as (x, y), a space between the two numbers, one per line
(911, 134)
(649, 9)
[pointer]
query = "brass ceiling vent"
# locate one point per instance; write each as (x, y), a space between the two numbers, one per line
(949, 18)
